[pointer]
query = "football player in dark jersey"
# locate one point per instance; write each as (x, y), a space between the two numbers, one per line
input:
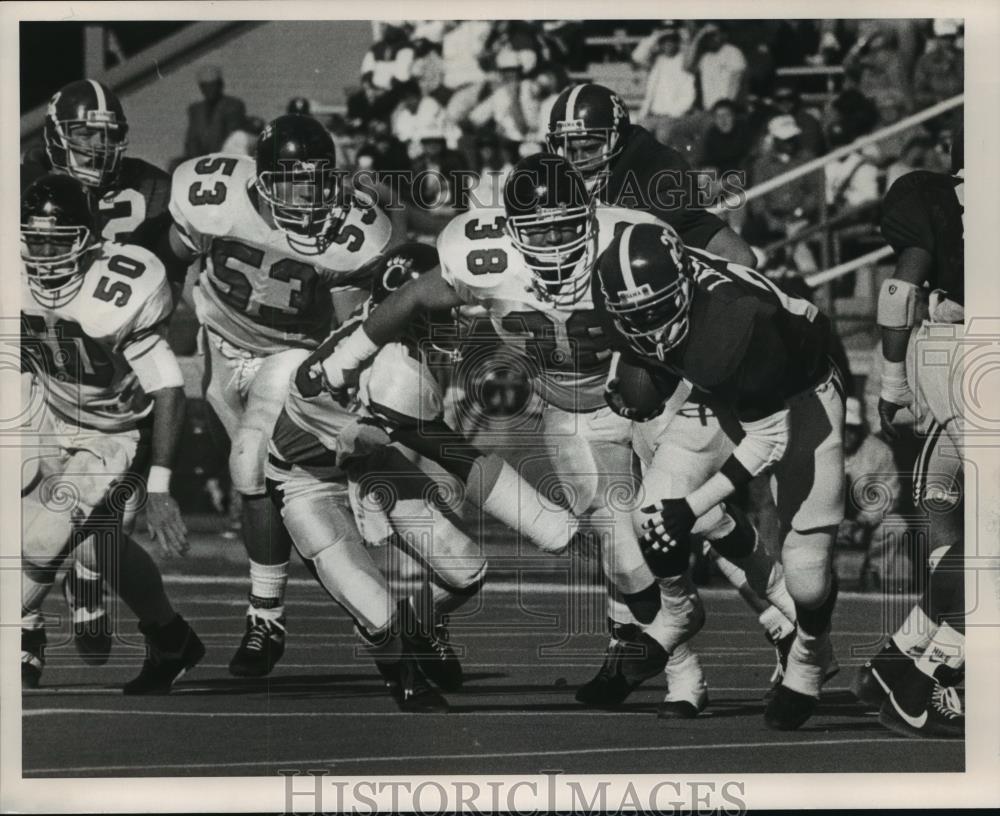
(921, 314)
(764, 356)
(86, 138)
(626, 167)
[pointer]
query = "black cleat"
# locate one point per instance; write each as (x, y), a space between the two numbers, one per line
(437, 659)
(171, 651)
(782, 648)
(880, 674)
(923, 708)
(678, 710)
(91, 625)
(627, 664)
(788, 709)
(262, 646)
(32, 657)
(409, 687)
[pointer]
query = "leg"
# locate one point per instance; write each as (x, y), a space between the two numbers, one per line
(809, 495)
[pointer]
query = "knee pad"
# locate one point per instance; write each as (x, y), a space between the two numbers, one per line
(816, 621)
(644, 604)
(465, 578)
(45, 529)
(246, 461)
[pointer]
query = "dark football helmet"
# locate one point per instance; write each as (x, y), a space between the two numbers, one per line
(298, 180)
(588, 125)
(646, 279)
(57, 230)
(86, 133)
(550, 220)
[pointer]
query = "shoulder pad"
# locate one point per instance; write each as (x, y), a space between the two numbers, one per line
(125, 291)
(203, 191)
(474, 248)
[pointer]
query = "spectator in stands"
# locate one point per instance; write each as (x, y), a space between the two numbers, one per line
(875, 66)
(891, 108)
(387, 63)
(365, 104)
(512, 107)
(523, 38)
(386, 151)
(788, 209)
(299, 105)
(868, 462)
(211, 120)
(548, 80)
(670, 87)
(853, 179)
(728, 141)
(917, 154)
(428, 69)
(243, 140)
(492, 167)
(462, 47)
(438, 169)
(939, 73)
(786, 101)
(719, 65)
(415, 115)
(567, 44)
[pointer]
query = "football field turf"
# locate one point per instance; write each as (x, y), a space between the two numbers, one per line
(323, 707)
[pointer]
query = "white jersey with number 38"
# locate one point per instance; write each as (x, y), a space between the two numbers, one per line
(84, 352)
(567, 352)
(256, 291)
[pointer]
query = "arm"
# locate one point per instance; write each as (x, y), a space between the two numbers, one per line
(158, 373)
(429, 292)
(727, 243)
(896, 316)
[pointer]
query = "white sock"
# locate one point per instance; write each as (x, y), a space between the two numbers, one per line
(916, 632)
(775, 624)
(267, 589)
(947, 647)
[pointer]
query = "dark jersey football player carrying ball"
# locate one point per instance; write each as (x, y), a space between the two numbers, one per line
(759, 354)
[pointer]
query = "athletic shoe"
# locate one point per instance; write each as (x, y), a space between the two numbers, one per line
(437, 659)
(782, 648)
(262, 646)
(91, 625)
(923, 708)
(632, 658)
(880, 674)
(795, 699)
(32, 657)
(409, 687)
(687, 691)
(788, 709)
(171, 651)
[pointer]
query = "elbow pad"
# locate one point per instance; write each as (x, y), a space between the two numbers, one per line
(897, 304)
(764, 444)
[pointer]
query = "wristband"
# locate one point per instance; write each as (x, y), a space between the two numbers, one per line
(158, 480)
(348, 355)
(895, 389)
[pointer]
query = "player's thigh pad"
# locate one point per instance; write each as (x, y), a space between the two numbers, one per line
(808, 482)
(265, 397)
(228, 374)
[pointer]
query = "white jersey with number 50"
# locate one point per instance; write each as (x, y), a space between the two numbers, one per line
(255, 290)
(567, 349)
(86, 352)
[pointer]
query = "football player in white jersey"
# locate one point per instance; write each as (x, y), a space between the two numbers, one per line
(346, 477)
(529, 266)
(279, 238)
(92, 339)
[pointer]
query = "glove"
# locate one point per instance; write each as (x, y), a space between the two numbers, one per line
(666, 544)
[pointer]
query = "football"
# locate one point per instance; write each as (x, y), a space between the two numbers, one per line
(638, 390)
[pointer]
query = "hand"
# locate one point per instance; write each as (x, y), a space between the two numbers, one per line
(340, 384)
(666, 544)
(887, 413)
(166, 526)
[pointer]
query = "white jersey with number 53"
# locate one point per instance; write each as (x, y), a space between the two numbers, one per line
(95, 354)
(255, 290)
(568, 351)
